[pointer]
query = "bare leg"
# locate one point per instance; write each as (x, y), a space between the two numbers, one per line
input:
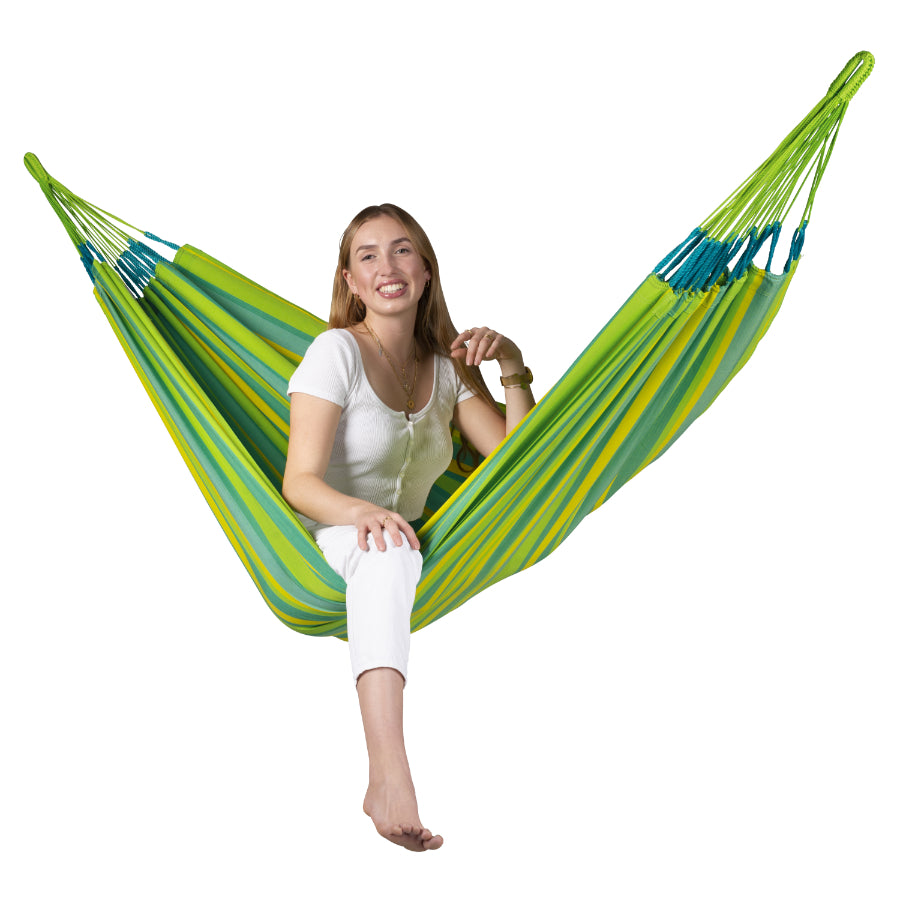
(391, 797)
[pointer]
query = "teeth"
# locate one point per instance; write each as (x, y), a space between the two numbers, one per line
(391, 288)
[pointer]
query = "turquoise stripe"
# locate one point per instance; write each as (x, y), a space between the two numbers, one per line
(255, 320)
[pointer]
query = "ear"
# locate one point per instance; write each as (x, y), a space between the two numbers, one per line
(349, 279)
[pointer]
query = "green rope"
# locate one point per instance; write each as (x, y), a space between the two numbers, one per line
(96, 234)
(768, 195)
(82, 220)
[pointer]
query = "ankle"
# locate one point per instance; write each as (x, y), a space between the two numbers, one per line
(390, 774)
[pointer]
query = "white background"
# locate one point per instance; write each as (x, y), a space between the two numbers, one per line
(696, 696)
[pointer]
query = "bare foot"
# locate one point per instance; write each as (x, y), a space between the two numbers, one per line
(395, 813)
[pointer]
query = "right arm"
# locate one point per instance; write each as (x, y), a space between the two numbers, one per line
(314, 423)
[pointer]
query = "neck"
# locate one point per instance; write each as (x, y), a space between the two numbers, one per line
(396, 334)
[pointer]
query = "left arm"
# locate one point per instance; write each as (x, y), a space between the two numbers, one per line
(482, 425)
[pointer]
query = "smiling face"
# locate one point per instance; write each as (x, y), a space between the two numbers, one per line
(385, 270)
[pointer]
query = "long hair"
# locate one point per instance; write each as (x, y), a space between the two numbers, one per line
(434, 330)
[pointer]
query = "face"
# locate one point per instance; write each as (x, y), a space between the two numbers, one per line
(385, 270)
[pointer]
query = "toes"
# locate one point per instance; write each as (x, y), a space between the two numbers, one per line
(412, 837)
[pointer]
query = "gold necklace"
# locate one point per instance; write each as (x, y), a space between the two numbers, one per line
(402, 376)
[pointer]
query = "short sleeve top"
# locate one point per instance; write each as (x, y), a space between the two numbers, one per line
(379, 455)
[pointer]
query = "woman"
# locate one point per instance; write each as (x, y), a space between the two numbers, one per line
(371, 406)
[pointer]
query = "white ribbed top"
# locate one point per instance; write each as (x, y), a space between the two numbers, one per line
(379, 455)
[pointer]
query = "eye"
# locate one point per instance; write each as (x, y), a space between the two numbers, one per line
(368, 256)
(403, 250)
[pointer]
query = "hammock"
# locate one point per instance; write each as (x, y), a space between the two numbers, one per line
(215, 350)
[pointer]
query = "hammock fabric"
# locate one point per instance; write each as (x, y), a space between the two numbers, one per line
(215, 351)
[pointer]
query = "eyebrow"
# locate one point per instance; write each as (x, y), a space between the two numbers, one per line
(400, 240)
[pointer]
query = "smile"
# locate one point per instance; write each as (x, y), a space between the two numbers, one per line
(392, 289)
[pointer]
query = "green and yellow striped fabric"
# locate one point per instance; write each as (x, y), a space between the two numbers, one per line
(215, 350)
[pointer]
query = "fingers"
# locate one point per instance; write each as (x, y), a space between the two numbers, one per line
(482, 343)
(411, 535)
(385, 526)
(362, 538)
(373, 523)
(392, 529)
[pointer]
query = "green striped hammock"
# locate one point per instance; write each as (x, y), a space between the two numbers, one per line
(215, 350)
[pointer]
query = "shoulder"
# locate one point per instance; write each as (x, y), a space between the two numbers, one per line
(330, 365)
(334, 345)
(449, 378)
(332, 340)
(445, 367)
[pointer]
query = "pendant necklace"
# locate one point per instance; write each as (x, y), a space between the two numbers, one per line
(402, 376)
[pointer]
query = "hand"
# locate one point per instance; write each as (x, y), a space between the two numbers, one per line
(379, 522)
(477, 344)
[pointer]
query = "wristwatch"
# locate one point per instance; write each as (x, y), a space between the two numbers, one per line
(519, 379)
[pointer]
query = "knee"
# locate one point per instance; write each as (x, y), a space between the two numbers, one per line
(404, 557)
(401, 562)
(402, 552)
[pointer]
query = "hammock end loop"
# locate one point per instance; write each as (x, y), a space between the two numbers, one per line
(38, 172)
(850, 80)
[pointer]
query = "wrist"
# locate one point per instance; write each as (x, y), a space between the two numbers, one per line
(357, 510)
(521, 379)
(510, 365)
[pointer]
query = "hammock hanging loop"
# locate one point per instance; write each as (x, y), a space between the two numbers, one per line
(38, 172)
(852, 76)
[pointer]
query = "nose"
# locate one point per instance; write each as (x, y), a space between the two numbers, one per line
(386, 265)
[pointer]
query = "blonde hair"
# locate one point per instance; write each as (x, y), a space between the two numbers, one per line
(434, 331)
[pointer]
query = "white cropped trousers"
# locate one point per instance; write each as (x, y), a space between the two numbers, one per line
(381, 590)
